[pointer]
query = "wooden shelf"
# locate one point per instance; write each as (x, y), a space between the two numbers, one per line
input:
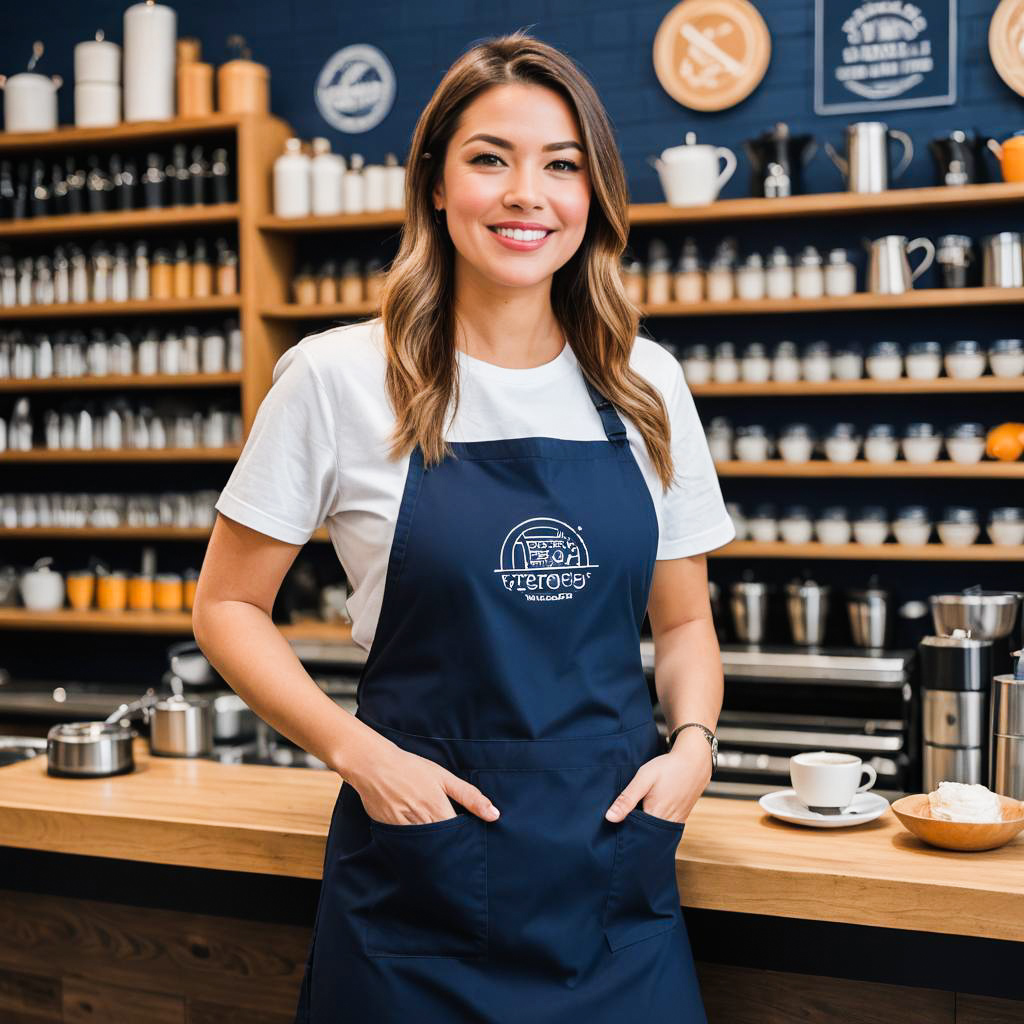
(133, 307)
(104, 533)
(866, 386)
(330, 311)
(862, 468)
(872, 552)
(337, 222)
(70, 136)
(93, 620)
(112, 382)
(754, 208)
(229, 454)
(834, 203)
(121, 220)
(923, 298)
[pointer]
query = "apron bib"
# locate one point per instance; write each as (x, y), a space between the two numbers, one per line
(508, 651)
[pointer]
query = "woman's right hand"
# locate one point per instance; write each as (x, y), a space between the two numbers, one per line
(402, 788)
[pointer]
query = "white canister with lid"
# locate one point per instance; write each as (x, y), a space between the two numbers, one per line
(97, 104)
(30, 102)
(810, 277)
(98, 60)
(840, 274)
(395, 173)
(327, 173)
(150, 60)
(375, 188)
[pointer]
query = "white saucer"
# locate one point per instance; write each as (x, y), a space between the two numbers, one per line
(783, 804)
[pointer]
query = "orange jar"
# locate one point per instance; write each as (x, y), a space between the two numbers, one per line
(140, 593)
(169, 592)
(81, 589)
(112, 592)
(191, 581)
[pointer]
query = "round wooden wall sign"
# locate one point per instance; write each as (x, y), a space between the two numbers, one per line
(1006, 43)
(711, 54)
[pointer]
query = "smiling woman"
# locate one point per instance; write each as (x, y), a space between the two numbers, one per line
(513, 478)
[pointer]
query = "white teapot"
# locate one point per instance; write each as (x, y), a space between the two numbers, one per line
(42, 588)
(690, 174)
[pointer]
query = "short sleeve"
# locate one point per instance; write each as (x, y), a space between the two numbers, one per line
(285, 481)
(693, 517)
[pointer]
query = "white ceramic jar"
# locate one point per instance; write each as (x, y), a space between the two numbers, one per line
(840, 274)
(796, 442)
(809, 278)
(965, 359)
(795, 527)
(696, 364)
(958, 527)
(847, 363)
(786, 363)
(752, 443)
(884, 361)
(1006, 525)
(965, 443)
(779, 280)
(755, 366)
(719, 437)
(725, 367)
(921, 443)
(842, 443)
(763, 524)
(871, 526)
(912, 526)
(833, 526)
(750, 278)
(880, 443)
(924, 360)
(1006, 357)
(816, 363)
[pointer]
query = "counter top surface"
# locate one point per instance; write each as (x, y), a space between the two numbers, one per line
(271, 820)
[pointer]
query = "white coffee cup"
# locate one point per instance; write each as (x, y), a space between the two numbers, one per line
(828, 779)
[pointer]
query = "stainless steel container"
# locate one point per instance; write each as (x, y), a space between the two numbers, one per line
(748, 601)
(988, 615)
(1006, 774)
(181, 726)
(955, 674)
(866, 165)
(807, 608)
(89, 749)
(1003, 263)
(869, 616)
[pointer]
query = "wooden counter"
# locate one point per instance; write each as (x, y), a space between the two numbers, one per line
(732, 857)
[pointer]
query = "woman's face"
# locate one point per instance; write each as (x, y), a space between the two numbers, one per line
(516, 157)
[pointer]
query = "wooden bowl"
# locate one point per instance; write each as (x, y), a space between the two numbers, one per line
(914, 813)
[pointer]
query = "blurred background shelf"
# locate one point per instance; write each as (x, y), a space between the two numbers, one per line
(860, 468)
(173, 217)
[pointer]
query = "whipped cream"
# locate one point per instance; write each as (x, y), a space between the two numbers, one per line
(960, 801)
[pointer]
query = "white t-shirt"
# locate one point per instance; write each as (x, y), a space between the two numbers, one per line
(317, 451)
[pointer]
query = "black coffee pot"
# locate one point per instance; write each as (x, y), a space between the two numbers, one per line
(958, 158)
(777, 161)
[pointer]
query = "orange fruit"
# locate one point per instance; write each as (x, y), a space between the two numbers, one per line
(1006, 442)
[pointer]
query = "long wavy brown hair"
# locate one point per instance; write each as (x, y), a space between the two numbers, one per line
(587, 294)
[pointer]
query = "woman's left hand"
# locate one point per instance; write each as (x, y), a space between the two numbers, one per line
(670, 784)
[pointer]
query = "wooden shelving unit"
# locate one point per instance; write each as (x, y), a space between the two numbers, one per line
(873, 552)
(941, 470)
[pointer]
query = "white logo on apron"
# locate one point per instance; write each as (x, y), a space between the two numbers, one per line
(544, 560)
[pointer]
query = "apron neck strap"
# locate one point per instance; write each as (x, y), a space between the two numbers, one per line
(614, 428)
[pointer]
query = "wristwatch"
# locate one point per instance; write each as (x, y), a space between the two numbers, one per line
(709, 735)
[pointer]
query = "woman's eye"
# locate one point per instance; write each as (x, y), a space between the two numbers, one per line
(480, 157)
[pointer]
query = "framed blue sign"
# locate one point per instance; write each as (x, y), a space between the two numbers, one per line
(883, 55)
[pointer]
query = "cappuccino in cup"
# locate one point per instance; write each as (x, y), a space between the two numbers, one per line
(826, 780)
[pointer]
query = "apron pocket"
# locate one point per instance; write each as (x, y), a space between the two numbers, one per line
(643, 898)
(430, 894)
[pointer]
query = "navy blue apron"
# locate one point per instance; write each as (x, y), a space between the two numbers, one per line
(508, 651)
